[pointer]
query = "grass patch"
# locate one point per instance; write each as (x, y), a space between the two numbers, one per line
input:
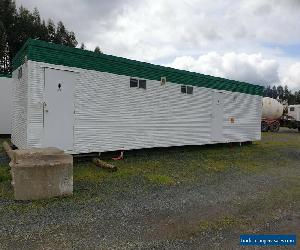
(5, 186)
(160, 179)
(215, 166)
(175, 165)
(223, 223)
(89, 172)
(193, 163)
(4, 173)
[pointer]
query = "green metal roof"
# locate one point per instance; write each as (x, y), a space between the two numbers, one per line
(41, 51)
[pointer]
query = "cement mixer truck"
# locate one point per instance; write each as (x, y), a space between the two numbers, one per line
(274, 117)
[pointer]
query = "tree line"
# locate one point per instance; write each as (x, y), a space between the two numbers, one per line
(282, 93)
(18, 25)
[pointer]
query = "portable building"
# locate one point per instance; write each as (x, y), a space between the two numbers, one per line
(294, 111)
(81, 102)
(6, 86)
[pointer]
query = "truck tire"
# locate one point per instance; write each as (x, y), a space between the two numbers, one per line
(274, 127)
(264, 126)
(298, 129)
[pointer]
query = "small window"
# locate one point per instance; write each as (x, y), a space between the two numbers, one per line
(133, 83)
(142, 84)
(292, 108)
(189, 90)
(163, 80)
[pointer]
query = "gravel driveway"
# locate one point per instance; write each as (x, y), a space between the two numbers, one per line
(209, 212)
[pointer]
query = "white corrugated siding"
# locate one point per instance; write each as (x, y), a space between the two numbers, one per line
(35, 104)
(110, 115)
(20, 110)
(246, 111)
(6, 87)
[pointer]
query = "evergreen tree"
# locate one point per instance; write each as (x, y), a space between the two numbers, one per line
(4, 59)
(51, 30)
(283, 93)
(97, 49)
(16, 26)
(280, 92)
(64, 37)
(297, 97)
(268, 91)
(274, 92)
(286, 93)
(7, 19)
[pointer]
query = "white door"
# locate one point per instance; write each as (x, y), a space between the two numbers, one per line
(217, 117)
(58, 108)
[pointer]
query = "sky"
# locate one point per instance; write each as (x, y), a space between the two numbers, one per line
(256, 41)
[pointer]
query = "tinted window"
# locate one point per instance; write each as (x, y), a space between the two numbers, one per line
(292, 109)
(189, 90)
(142, 84)
(133, 83)
(183, 89)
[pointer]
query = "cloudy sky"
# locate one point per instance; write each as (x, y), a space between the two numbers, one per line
(257, 41)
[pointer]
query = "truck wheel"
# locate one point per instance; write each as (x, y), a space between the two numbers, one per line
(264, 126)
(274, 127)
(298, 129)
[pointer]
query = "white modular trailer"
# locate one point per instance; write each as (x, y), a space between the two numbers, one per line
(294, 111)
(83, 102)
(6, 86)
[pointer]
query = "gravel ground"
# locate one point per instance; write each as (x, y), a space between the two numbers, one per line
(203, 213)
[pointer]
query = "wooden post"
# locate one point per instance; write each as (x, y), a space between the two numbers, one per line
(105, 165)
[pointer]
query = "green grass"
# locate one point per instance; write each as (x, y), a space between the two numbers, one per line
(5, 180)
(160, 179)
(171, 166)
(222, 223)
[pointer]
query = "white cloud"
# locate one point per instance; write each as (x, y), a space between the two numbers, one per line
(248, 37)
(292, 76)
(251, 68)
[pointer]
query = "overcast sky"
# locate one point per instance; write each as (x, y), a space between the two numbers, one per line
(256, 41)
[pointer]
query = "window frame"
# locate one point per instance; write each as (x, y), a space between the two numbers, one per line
(138, 83)
(133, 81)
(145, 82)
(191, 88)
(187, 89)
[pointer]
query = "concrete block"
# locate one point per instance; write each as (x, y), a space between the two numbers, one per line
(41, 173)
